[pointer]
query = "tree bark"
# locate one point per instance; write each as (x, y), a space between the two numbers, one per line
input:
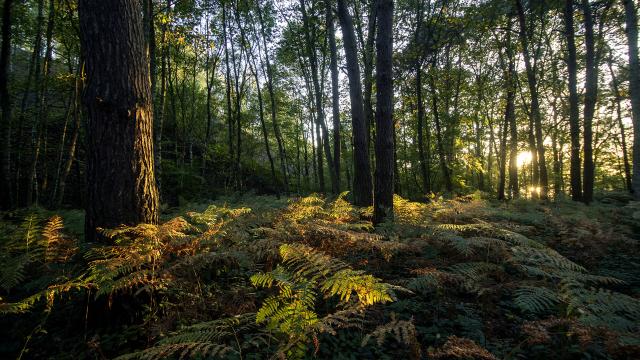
(335, 94)
(6, 199)
(424, 163)
(362, 186)
(574, 116)
(631, 19)
(385, 158)
(590, 99)
(120, 162)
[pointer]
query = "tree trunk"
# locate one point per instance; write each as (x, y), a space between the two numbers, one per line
(535, 106)
(272, 97)
(362, 186)
(510, 116)
(313, 61)
(623, 136)
(631, 19)
(446, 174)
(43, 113)
(590, 99)
(6, 200)
(424, 164)
(574, 116)
(335, 94)
(120, 168)
(385, 159)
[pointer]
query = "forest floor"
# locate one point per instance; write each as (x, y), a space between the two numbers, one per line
(258, 277)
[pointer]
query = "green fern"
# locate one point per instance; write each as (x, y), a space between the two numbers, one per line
(536, 300)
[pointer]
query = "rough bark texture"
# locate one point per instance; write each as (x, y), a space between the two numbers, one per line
(5, 106)
(121, 186)
(631, 18)
(362, 186)
(535, 114)
(384, 175)
(590, 98)
(574, 115)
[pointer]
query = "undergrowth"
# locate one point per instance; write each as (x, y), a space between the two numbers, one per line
(261, 278)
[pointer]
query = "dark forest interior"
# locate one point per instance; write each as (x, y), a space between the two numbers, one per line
(319, 179)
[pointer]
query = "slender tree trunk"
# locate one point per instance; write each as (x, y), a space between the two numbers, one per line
(510, 116)
(43, 113)
(66, 169)
(272, 98)
(535, 106)
(227, 81)
(362, 186)
(574, 116)
(6, 199)
(385, 159)
(265, 135)
(590, 99)
(368, 73)
(311, 53)
(120, 168)
(424, 164)
(335, 94)
(631, 19)
(623, 136)
(446, 174)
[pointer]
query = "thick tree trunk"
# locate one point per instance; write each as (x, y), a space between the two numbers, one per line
(6, 200)
(535, 106)
(590, 99)
(631, 19)
(385, 159)
(362, 186)
(335, 94)
(574, 115)
(120, 168)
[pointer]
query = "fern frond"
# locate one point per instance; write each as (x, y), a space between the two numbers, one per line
(537, 300)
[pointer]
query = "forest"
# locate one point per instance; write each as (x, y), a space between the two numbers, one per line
(319, 179)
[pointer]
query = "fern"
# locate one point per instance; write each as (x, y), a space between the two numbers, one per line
(536, 300)
(403, 331)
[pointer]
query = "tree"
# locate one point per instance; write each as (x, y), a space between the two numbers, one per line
(362, 187)
(335, 94)
(574, 116)
(384, 146)
(631, 20)
(535, 115)
(121, 186)
(590, 98)
(5, 105)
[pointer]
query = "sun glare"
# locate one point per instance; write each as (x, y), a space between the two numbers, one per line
(524, 158)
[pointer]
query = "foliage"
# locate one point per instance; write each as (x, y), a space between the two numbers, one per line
(296, 277)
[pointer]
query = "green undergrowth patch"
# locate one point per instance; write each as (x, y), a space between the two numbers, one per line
(257, 277)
